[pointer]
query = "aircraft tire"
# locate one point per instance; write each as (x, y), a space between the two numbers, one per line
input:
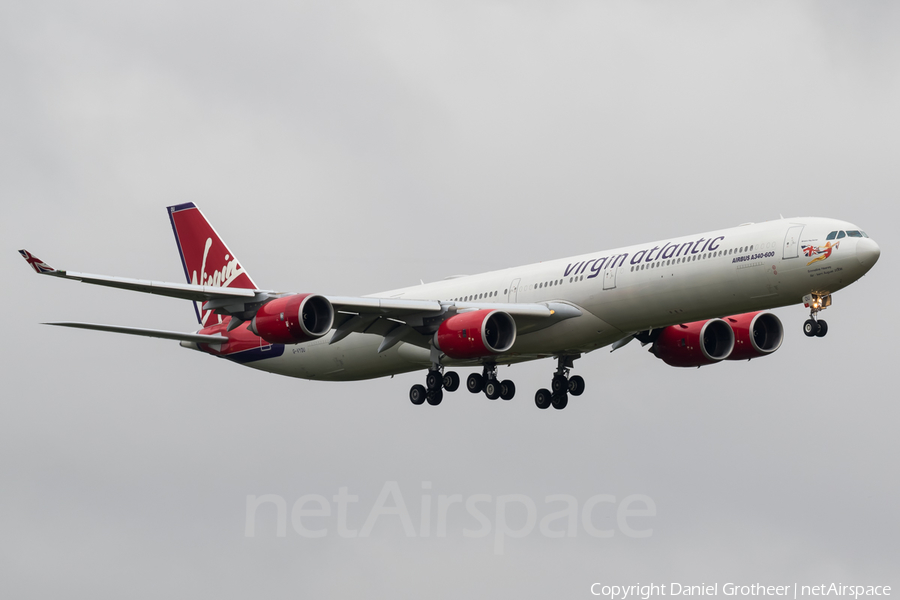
(475, 383)
(507, 389)
(559, 384)
(417, 394)
(433, 380)
(451, 381)
(492, 389)
(560, 400)
(542, 399)
(434, 397)
(822, 330)
(810, 327)
(576, 385)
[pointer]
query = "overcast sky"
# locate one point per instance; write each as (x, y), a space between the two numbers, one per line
(347, 148)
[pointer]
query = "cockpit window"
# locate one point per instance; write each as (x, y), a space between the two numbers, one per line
(831, 235)
(841, 234)
(854, 234)
(864, 234)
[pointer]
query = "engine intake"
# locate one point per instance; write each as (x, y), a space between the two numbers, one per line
(476, 334)
(694, 344)
(756, 334)
(293, 319)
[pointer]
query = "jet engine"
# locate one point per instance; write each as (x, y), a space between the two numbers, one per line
(755, 334)
(694, 344)
(293, 319)
(476, 334)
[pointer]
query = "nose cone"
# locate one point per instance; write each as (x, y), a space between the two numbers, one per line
(867, 252)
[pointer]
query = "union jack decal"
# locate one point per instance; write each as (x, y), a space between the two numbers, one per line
(37, 264)
(821, 253)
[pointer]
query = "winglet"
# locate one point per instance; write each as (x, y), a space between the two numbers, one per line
(37, 264)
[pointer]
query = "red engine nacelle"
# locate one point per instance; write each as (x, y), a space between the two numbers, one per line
(476, 334)
(755, 334)
(293, 319)
(694, 344)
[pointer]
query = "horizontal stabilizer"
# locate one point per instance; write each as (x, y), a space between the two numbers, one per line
(157, 333)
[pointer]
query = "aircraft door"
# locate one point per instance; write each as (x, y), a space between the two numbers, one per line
(609, 275)
(792, 242)
(513, 290)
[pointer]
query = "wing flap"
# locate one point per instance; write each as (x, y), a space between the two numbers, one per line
(385, 306)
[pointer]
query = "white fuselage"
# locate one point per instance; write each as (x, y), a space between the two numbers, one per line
(619, 292)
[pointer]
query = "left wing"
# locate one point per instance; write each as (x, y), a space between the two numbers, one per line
(185, 291)
(157, 333)
(395, 319)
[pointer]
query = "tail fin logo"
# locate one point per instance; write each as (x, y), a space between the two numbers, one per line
(230, 271)
(205, 257)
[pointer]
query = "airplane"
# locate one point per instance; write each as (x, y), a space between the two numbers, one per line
(696, 300)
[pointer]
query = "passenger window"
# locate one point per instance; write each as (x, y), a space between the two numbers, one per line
(841, 234)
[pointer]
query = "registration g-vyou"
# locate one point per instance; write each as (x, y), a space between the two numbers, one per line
(696, 300)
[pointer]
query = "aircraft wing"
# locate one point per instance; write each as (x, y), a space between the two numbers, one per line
(157, 333)
(185, 291)
(397, 307)
(392, 318)
(395, 318)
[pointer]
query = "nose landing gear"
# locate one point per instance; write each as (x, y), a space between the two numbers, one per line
(814, 326)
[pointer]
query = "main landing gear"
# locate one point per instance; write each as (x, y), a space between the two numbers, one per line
(433, 390)
(561, 386)
(490, 385)
(814, 326)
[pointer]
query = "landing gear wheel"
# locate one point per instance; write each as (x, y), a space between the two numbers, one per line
(417, 394)
(576, 385)
(810, 327)
(434, 397)
(433, 380)
(451, 381)
(559, 384)
(507, 389)
(492, 389)
(823, 329)
(542, 399)
(560, 400)
(475, 383)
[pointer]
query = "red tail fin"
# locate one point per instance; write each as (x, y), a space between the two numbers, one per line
(205, 257)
